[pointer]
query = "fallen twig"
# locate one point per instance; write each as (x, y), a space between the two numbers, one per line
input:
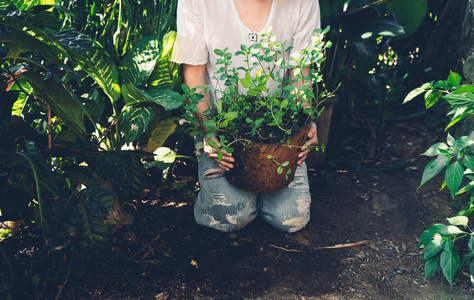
(343, 245)
(284, 249)
(61, 287)
(339, 246)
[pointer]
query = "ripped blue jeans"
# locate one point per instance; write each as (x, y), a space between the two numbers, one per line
(226, 208)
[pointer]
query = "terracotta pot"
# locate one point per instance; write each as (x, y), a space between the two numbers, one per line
(254, 172)
(323, 124)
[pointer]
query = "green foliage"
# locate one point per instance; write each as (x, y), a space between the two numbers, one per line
(256, 113)
(409, 13)
(91, 92)
(456, 158)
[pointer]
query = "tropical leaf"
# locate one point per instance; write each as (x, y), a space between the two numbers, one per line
(94, 236)
(409, 13)
(36, 33)
(80, 174)
(65, 137)
(98, 200)
(46, 19)
(168, 99)
(6, 106)
(159, 135)
(165, 71)
(139, 63)
(432, 266)
(19, 42)
(74, 39)
(134, 120)
(96, 106)
(433, 168)
(62, 221)
(62, 101)
(164, 157)
(134, 180)
(368, 24)
(454, 175)
(27, 4)
(100, 66)
(131, 94)
(111, 167)
(449, 261)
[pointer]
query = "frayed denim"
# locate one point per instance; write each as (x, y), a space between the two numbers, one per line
(224, 207)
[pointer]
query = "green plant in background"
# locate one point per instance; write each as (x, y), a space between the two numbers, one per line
(68, 107)
(456, 157)
(247, 110)
(364, 58)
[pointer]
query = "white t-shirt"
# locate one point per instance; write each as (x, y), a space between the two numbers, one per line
(205, 25)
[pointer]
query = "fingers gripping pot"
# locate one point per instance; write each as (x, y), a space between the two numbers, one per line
(256, 165)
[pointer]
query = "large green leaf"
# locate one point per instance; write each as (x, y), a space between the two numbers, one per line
(96, 106)
(6, 106)
(140, 62)
(30, 172)
(98, 200)
(19, 42)
(131, 94)
(134, 180)
(80, 174)
(449, 261)
(433, 168)
(62, 221)
(94, 236)
(100, 66)
(134, 120)
(46, 19)
(453, 176)
(432, 266)
(168, 99)
(36, 33)
(434, 246)
(159, 135)
(111, 167)
(165, 71)
(409, 13)
(61, 100)
(27, 4)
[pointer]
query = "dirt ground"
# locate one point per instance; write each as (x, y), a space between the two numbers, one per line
(356, 198)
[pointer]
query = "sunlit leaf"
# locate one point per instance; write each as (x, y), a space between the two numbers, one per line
(159, 135)
(134, 120)
(434, 246)
(100, 66)
(165, 71)
(139, 63)
(458, 220)
(62, 101)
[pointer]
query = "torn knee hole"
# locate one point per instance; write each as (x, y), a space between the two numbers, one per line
(212, 173)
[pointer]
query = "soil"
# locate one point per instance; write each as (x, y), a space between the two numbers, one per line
(370, 201)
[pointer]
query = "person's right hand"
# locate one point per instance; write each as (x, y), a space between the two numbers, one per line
(227, 159)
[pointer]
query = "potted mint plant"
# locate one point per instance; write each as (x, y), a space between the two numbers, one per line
(262, 126)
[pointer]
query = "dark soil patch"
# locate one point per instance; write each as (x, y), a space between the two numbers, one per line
(165, 255)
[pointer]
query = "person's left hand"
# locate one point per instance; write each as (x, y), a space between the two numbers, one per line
(312, 141)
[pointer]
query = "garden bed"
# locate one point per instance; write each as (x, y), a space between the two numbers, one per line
(165, 255)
